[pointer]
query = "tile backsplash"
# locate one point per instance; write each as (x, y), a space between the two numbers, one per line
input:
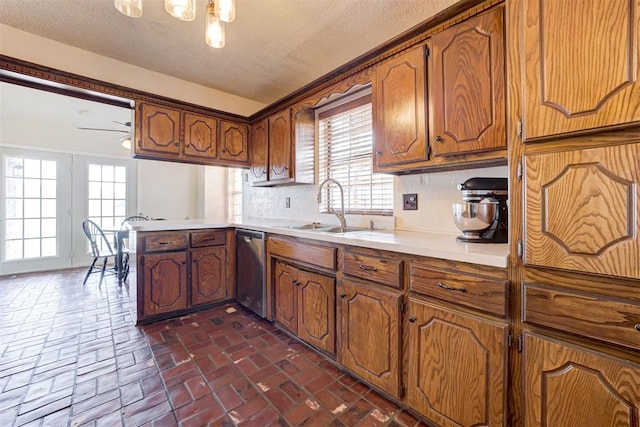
(436, 192)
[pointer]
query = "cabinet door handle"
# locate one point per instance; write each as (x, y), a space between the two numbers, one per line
(368, 267)
(450, 288)
(177, 144)
(637, 326)
(295, 282)
(412, 319)
(195, 260)
(343, 295)
(437, 138)
(163, 243)
(378, 151)
(208, 239)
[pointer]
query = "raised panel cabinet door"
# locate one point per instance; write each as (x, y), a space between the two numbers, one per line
(165, 282)
(565, 385)
(286, 295)
(280, 154)
(458, 366)
(200, 136)
(370, 334)
(208, 275)
(234, 142)
(157, 130)
(399, 118)
(259, 152)
(316, 310)
(581, 65)
(468, 86)
(581, 210)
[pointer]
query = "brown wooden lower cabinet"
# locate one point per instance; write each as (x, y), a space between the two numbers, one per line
(165, 282)
(208, 274)
(565, 385)
(369, 336)
(305, 304)
(457, 366)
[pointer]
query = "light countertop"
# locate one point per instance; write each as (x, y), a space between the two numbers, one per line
(435, 245)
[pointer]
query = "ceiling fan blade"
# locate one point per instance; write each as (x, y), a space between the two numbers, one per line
(127, 124)
(106, 130)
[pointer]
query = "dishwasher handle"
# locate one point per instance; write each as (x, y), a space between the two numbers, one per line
(248, 235)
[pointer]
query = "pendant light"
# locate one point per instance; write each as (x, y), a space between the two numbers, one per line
(181, 9)
(226, 10)
(214, 29)
(131, 8)
(125, 141)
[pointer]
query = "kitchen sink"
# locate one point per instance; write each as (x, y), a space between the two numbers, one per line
(346, 229)
(312, 226)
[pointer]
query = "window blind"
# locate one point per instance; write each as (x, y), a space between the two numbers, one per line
(345, 154)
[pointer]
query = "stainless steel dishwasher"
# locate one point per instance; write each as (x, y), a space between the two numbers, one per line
(250, 271)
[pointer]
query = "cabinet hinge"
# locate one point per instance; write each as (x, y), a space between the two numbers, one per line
(510, 339)
(428, 151)
(402, 391)
(426, 51)
(520, 249)
(401, 306)
(519, 171)
(141, 260)
(520, 343)
(519, 128)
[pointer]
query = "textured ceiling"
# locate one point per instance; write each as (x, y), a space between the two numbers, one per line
(273, 47)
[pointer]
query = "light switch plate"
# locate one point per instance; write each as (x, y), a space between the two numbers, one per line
(410, 202)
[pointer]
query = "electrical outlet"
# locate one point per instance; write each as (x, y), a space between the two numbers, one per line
(410, 202)
(287, 202)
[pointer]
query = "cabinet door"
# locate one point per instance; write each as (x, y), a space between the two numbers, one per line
(157, 130)
(208, 275)
(581, 69)
(286, 295)
(370, 334)
(565, 385)
(458, 366)
(165, 282)
(234, 142)
(200, 136)
(468, 86)
(280, 146)
(581, 210)
(399, 120)
(316, 310)
(259, 152)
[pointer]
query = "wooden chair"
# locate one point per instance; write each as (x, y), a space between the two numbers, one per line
(100, 248)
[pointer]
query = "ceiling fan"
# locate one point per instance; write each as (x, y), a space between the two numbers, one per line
(125, 141)
(126, 124)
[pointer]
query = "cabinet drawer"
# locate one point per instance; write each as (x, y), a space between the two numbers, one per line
(208, 238)
(165, 242)
(590, 315)
(381, 270)
(479, 292)
(320, 256)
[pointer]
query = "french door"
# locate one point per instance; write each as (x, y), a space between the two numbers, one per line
(35, 211)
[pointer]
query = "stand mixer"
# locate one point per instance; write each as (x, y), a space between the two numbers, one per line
(482, 218)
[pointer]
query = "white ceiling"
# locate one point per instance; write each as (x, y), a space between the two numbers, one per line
(273, 47)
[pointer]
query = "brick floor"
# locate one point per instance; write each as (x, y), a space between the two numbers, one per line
(71, 356)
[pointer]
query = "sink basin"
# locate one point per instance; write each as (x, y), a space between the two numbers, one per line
(312, 226)
(346, 229)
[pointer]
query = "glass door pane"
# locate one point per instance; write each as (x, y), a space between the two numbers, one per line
(36, 229)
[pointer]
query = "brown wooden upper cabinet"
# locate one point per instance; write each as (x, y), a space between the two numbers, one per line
(468, 86)
(234, 142)
(581, 69)
(282, 148)
(166, 133)
(399, 118)
(259, 153)
(157, 130)
(581, 210)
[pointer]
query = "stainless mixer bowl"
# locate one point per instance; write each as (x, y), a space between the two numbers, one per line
(474, 218)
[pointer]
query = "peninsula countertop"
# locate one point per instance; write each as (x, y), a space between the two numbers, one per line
(429, 244)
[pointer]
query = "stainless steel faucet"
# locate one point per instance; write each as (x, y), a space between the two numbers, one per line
(340, 215)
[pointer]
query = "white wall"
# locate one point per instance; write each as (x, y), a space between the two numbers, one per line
(436, 192)
(29, 47)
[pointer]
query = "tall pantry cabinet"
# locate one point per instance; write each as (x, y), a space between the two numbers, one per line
(576, 170)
